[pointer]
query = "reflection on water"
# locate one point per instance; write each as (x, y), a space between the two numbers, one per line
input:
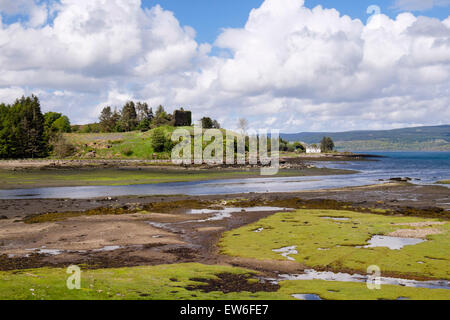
(287, 251)
(309, 297)
(225, 213)
(393, 243)
(345, 277)
(216, 187)
(421, 167)
(336, 218)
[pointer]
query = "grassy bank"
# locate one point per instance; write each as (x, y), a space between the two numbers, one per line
(186, 282)
(443, 182)
(114, 177)
(119, 145)
(323, 243)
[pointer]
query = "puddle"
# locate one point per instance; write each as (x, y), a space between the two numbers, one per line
(309, 297)
(287, 251)
(107, 249)
(53, 252)
(345, 277)
(393, 243)
(227, 212)
(336, 218)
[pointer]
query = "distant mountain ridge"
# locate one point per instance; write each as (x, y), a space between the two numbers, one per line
(430, 138)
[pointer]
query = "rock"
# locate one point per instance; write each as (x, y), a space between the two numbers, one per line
(406, 179)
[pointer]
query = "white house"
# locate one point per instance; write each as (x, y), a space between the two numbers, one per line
(313, 149)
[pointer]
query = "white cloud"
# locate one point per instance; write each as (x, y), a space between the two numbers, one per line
(289, 67)
(36, 11)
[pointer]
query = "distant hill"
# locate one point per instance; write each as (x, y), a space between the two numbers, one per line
(436, 138)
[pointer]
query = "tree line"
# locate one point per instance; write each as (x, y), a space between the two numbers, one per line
(136, 116)
(25, 132)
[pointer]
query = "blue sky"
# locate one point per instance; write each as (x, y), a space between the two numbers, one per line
(208, 17)
(292, 68)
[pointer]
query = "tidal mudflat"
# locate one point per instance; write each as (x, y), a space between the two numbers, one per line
(186, 247)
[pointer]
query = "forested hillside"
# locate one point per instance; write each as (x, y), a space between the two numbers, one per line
(436, 138)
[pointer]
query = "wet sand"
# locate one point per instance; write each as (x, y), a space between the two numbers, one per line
(164, 234)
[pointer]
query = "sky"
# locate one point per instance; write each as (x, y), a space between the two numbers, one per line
(293, 65)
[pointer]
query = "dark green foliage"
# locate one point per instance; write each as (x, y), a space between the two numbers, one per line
(128, 119)
(109, 119)
(161, 118)
(159, 140)
(299, 147)
(284, 145)
(182, 118)
(144, 125)
(208, 123)
(138, 116)
(22, 130)
(216, 124)
(56, 123)
(327, 144)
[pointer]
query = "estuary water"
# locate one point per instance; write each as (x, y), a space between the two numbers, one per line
(422, 167)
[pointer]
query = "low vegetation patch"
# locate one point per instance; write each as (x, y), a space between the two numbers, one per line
(187, 282)
(330, 204)
(59, 216)
(340, 245)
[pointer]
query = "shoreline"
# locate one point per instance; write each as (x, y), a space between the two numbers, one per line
(126, 176)
(49, 163)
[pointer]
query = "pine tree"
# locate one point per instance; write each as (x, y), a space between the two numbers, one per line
(128, 121)
(108, 120)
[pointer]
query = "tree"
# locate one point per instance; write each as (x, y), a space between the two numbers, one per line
(207, 123)
(144, 116)
(284, 145)
(128, 120)
(161, 118)
(4, 143)
(327, 144)
(144, 112)
(299, 147)
(243, 126)
(50, 118)
(25, 130)
(216, 124)
(158, 140)
(61, 125)
(61, 147)
(107, 120)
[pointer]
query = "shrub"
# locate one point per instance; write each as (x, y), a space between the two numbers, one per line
(159, 140)
(127, 152)
(61, 148)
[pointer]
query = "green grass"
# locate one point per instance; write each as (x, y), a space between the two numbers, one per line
(169, 282)
(127, 145)
(307, 230)
(443, 182)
